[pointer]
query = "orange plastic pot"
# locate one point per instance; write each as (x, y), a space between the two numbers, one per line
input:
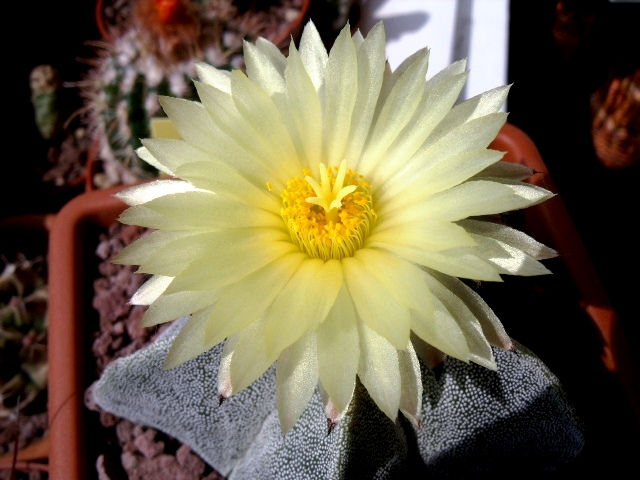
(549, 222)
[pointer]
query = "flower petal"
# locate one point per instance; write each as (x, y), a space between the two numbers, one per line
(199, 210)
(193, 123)
(339, 351)
(507, 259)
(378, 309)
(305, 108)
(224, 180)
(436, 101)
(150, 290)
(401, 279)
(244, 302)
(492, 328)
(296, 379)
(479, 349)
(437, 176)
(397, 110)
(250, 358)
(379, 372)
(303, 303)
(227, 257)
(411, 385)
(176, 305)
(340, 93)
(142, 249)
(220, 79)
(458, 262)
(189, 343)
(267, 128)
(314, 55)
(371, 64)
(427, 234)
(143, 193)
(510, 236)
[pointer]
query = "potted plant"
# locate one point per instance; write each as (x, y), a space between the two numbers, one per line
(93, 212)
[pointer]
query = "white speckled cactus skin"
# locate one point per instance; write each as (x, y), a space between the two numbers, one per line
(476, 423)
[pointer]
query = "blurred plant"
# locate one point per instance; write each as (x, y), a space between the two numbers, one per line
(150, 49)
(615, 124)
(45, 85)
(24, 303)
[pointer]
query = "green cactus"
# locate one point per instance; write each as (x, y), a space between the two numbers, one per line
(154, 53)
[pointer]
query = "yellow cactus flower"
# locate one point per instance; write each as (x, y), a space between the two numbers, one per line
(322, 213)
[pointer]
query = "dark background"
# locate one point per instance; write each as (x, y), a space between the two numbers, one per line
(553, 79)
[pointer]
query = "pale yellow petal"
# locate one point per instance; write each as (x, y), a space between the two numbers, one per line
(305, 108)
(261, 70)
(199, 210)
(371, 64)
(145, 247)
(220, 79)
(441, 331)
(150, 290)
(478, 106)
(472, 198)
(192, 121)
(504, 169)
(397, 111)
(426, 234)
(479, 349)
(243, 302)
(230, 256)
(340, 93)
(473, 135)
(507, 259)
(458, 262)
(314, 55)
(236, 139)
(410, 384)
(303, 303)
(379, 372)
(176, 305)
(146, 156)
(401, 280)
(224, 180)
(339, 351)
(266, 127)
(249, 359)
(492, 328)
(375, 306)
(436, 175)
(189, 343)
(436, 101)
(145, 192)
(277, 59)
(510, 236)
(296, 379)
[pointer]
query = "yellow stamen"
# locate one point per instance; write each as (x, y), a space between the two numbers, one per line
(336, 221)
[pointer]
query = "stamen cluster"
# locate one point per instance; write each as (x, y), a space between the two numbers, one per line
(329, 219)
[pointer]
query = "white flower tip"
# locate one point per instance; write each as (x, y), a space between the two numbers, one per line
(415, 419)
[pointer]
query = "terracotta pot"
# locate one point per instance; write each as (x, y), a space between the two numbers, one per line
(548, 222)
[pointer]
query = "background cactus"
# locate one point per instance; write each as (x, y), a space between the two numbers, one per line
(150, 49)
(23, 336)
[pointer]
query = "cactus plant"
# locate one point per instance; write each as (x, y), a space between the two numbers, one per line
(23, 334)
(150, 49)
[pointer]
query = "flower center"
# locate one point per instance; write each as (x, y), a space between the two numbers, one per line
(331, 218)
